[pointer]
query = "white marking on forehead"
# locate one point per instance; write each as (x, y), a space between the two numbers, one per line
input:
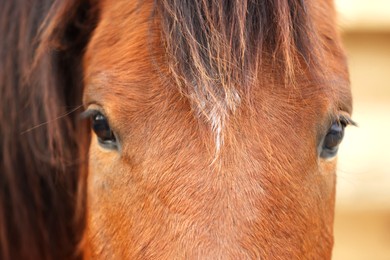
(218, 113)
(236, 100)
(217, 125)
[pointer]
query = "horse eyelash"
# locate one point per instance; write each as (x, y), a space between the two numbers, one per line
(346, 120)
(89, 113)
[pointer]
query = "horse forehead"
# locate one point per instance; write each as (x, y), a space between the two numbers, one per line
(121, 37)
(117, 58)
(124, 45)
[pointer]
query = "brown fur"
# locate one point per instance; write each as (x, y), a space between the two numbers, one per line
(39, 167)
(272, 71)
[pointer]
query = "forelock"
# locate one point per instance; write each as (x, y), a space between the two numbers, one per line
(215, 49)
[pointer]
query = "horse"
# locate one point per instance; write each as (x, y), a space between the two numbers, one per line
(170, 129)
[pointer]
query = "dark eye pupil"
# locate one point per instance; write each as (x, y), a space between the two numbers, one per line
(334, 136)
(332, 140)
(102, 129)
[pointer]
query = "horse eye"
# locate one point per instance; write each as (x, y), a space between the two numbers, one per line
(103, 131)
(332, 140)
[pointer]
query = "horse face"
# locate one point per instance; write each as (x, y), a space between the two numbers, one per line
(158, 187)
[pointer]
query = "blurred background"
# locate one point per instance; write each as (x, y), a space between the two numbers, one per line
(362, 223)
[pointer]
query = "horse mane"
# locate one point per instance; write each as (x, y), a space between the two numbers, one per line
(213, 48)
(41, 213)
(217, 48)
